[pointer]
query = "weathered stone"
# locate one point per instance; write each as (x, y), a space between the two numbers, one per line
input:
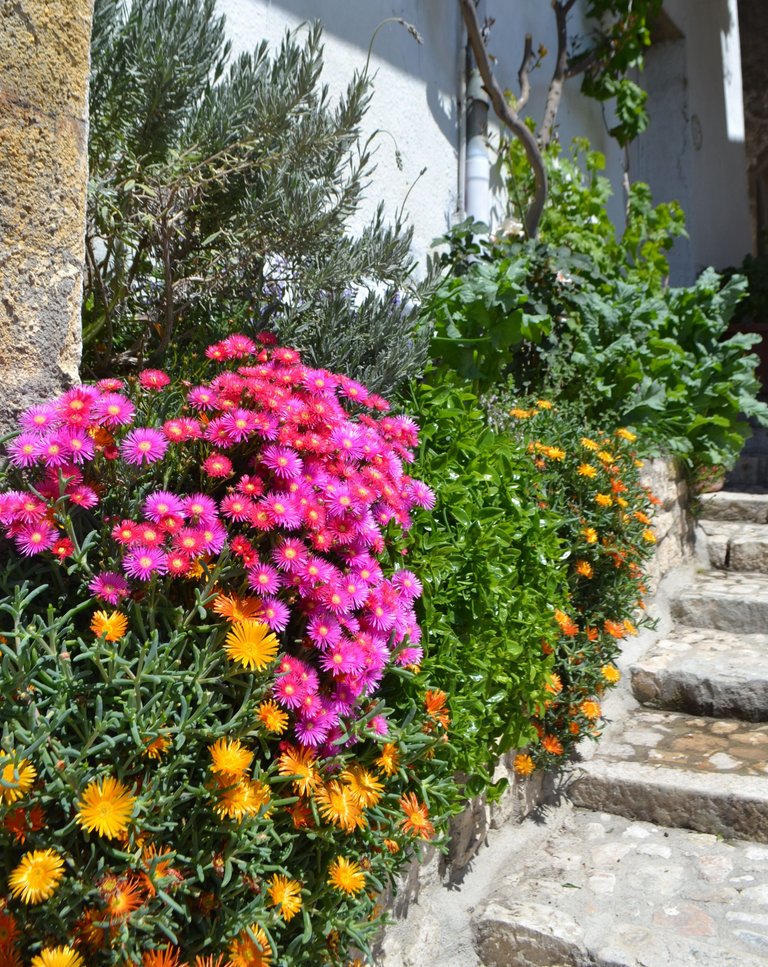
(706, 672)
(726, 505)
(44, 48)
(735, 602)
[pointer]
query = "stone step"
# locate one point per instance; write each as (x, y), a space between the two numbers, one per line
(705, 672)
(736, 602)
(733, 545)
(603, 891)
(698, 773)
(727, 505)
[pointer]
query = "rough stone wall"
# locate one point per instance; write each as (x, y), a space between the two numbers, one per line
(45, 58)
(672, 523)
(753, 28)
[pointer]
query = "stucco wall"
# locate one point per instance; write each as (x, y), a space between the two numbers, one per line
(693, 152)
(44, 50)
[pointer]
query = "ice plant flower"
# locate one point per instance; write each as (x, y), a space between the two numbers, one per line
(285, 894)
(250, 948)
(17, 775)
(229, 759)
(58, 957)
(105, 807)
(251, 644)
(111, 626)
(37, 875)
(346, 876)
(416, 821)
(143, 445)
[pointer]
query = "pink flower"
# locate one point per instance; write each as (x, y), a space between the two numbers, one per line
(79, 445)
(238, 425)
(109, 586)
(217, 465)
(407, 584)
(113, 410)
(153, 379)
(236, 507)
(290, 555)
(281, 510)
(142, 562)
(177, 563)
(52, 449)
(126, 532)
(264, 579)
(201, 398)
(82, 495)
(237, 345)
(190, 540)
(40, 417)
(110, 385)
(35, 538)
(161, 503)
(283, 462)
(23, 451)
(74, 405)
(275, 614)
(201, 508)
(143, 445)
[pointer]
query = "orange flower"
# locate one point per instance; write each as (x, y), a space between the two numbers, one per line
(554, 685)
(155, 748)
(9, 930)
(125, 899)
(590, 709)
(610, 673)
(389, 760)
(589, 534)
(435, 705)
(112, 625)
(615, 629)
(416, 819)
(250, 948)
(552, 745)
(568, 627)
(524, 764)
(167, 957)
(299, 763)
(19, 822)
(573, 728)
(233, 607)
(584, 568)
(603, 500)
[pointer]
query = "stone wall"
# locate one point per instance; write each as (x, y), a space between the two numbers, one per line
(672, 524)
(45, 53)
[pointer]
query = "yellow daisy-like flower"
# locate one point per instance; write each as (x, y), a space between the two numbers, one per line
(630, 628)
(626, 435)
(603, 500)
(272, 717)
(524, 764)
(584, 568)
(346, 875)
(252, 644)
(389, 760)
(587, 470)
(649, 536)
(554, 453)
(364, 786)
(230, 758)
(37, 875)
(519, 414)
(156, 748)
(245, 798)
(589, 534)
(544, 404)
(58, 957)
(286, 894)
(610, 673)
(245, 951)
(604, 457)
(112, 626)
(299, 763)
(106, 807)
(17, 777)
(590, 709)
(337, 805)
(589, 444)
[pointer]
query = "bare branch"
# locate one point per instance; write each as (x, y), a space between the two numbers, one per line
(555, 92)
(523, 73)
(505, 114)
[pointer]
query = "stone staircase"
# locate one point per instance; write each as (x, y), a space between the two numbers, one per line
(655, 856)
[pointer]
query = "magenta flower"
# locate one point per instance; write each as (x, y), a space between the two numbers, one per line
(236, 507)
(143, 445)
(153, 379)
(23, 451)
(82, 495)
(311, 731)
(290, 555)
(324, 630)
(407, 584)
(281, 510)
(35, 538)
(79, 445)
(52, 449)
(201, 508)
(40, 417)
(275, 614)
(217, 465)
(289, 691)
(160, 504)
(283, 462)
(264, 579)
(109, 586)
(142, 562)
(113, 410)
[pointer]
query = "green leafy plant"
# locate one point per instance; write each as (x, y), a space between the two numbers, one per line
(220, 194)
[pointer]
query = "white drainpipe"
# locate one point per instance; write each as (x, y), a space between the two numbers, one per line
(477, 197)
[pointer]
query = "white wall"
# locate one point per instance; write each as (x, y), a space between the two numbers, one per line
(417, 91)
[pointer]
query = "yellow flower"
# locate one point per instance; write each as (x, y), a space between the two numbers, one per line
(389, 760)
(587, 470)
(346, 875)
(604, 457)
(106, 807)
(156, 748)
(544, 404)
(630, 628)
(519, 414)
(252, 644)
(363, 785)
(58, 957)
(649, 536)
(610, 673)
(524, 764)
(589, 444)
(17, 777)
(337, 805)
(589, 534)
(250, 948)
(584, 568)
(37, 875)
(626, 435)
(554, 453)
(299, 763)
(273, 718)
(603, 500)
(590, 709)
(111, 626)
(286, 894)
(246, 798)
(622, 502)
(230, 758)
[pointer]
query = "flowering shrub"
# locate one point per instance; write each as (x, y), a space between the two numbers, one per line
(591, 484)
(215, 749)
